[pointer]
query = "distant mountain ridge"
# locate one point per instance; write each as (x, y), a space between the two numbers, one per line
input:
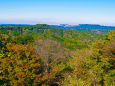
(86, 28)
(95, 28)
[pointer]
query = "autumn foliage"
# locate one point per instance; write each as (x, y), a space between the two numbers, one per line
(21, 67)
(54, 57)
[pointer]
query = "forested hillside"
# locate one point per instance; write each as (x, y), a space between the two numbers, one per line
(41, 55)
(95, 28)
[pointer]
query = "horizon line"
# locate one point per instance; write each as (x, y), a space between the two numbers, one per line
(56, 24)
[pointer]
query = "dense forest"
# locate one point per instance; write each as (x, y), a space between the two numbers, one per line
(41, 55)
(95, 28)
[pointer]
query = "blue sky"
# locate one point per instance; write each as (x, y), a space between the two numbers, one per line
(57, 12)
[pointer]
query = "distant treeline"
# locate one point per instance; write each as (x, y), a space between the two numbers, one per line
(88, 28)
(68, 37)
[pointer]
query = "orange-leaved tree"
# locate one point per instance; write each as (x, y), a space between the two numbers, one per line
(20, 67)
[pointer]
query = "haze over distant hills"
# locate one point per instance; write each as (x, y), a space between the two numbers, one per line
(86, 27)
(95, 28)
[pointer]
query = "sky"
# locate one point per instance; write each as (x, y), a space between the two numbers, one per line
(57, 12)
